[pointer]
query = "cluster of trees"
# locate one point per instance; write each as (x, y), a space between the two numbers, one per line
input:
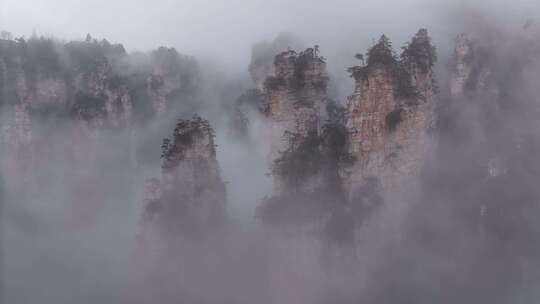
(86, 56)
(418, 56)
(419, 53)
(322, 156)
(317, 152)
(301, 62)
(88, 106)
(46, 58)
(186, 132)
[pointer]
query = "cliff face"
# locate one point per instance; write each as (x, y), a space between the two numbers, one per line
(391, 114)
(92, 81)
(261, 67)
(99, 100)
(37, 78)
(180, 250)
(190, 196)
(89, 85)
(295, 99)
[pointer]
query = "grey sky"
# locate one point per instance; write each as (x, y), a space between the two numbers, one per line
(225, 29)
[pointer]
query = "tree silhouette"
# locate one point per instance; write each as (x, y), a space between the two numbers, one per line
(381, 53)
(419, 52)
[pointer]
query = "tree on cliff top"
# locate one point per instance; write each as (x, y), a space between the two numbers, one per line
(186, 132)
(310, 156)
(419, 52)
(381, 53)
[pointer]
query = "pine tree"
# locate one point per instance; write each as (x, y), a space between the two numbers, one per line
(419, 52)
(381, 53)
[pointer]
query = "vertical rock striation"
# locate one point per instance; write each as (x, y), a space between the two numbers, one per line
(391, 113)
(295, 100)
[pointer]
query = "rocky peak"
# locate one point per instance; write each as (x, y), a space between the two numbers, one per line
(296, 95)
(295, 99)
(192, 140)
(391, 112)
(190, 197)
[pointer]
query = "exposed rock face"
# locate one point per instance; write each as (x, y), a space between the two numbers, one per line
(183, 221)
(296, 97)
(92, 86)
(391, 113)
(68, 108)
(190, 197)
(100, 99)
(261, 67)
(307, 136)
(39, 90)
(94, 81)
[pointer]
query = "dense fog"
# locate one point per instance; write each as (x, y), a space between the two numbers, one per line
(76, 223)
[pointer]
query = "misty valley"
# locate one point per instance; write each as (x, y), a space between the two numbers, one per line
(156, 177)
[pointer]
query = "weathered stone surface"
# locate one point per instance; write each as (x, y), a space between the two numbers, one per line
(190, 196)
(296, 96)
(116, 108)
(91, 86)
(390, 131)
